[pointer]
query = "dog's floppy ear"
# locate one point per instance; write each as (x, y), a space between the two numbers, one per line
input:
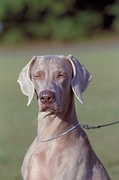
(25, 82)
(81, 77)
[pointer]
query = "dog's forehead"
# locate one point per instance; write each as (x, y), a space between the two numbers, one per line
(54, 61)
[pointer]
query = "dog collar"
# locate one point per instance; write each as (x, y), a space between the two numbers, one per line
(59, 135)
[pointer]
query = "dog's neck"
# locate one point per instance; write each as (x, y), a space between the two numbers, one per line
(51, 124)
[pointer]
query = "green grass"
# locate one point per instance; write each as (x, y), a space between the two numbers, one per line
(18, 122)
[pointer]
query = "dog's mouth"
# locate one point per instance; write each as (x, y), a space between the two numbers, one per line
(49, 108)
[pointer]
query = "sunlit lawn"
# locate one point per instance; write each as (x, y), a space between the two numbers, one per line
(18, 122)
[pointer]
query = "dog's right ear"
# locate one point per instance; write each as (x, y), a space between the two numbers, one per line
(25, 82)
(81, 77)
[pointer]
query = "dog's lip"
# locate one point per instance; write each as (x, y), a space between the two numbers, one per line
(49, 109)
(54, 107)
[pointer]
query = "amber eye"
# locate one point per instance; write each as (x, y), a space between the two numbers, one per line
(62, 75)
(38, 74)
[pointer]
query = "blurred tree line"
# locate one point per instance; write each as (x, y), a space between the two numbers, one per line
(64, 20)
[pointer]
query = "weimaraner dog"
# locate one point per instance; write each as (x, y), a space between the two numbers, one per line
(61, 150)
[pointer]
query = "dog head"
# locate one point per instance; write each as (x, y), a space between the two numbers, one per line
(53, 77)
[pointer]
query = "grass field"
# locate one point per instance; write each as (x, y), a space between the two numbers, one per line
(18, 122)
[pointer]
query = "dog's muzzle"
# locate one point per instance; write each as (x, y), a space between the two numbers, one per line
(47, 99)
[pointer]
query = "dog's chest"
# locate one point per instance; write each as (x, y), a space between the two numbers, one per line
(55, 163)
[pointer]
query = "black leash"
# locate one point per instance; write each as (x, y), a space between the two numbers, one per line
(85, 126)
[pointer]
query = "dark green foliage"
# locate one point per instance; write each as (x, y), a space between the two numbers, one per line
(54, 19)
(114, 10)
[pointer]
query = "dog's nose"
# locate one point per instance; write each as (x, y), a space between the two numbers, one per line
(47, 97)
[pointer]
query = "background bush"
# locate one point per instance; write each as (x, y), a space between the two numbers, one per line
(59, 20)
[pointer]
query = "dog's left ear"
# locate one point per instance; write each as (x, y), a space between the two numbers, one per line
(25, 82)
(81, 77)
